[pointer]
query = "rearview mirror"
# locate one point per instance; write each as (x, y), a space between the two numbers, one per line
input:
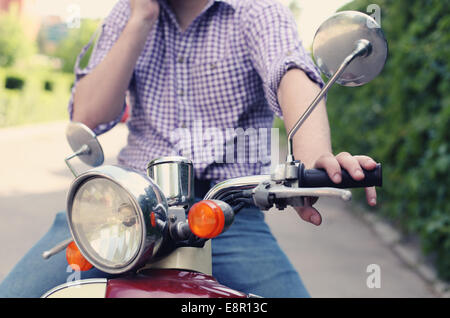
(84, 144)
(337, 37)
(350, 49)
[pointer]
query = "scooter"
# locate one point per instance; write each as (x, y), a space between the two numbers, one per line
(148, 231)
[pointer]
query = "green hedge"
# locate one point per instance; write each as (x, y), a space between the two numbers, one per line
(32, 96)
(402, 119)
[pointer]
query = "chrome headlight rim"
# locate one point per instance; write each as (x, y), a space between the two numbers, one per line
(123, 178)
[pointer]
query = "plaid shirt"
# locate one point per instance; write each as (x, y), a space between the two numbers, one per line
(221, 73)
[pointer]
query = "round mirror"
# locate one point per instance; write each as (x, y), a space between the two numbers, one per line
(84, 141)
(336, 39)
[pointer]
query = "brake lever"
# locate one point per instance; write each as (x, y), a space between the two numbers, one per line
(287, 192)
(268, 194)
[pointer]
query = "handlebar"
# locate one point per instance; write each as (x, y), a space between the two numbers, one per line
(317, 178)
(264, 191)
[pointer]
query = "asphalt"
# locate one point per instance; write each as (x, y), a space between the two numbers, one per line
(335, 259)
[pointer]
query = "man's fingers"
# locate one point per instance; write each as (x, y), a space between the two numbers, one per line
(351, 164)
(366, 162)
(371, 196)
(331, 166)
(309, 214)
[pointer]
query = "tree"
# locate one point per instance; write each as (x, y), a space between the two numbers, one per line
(71, 46)
(402, 119)
(14, 44)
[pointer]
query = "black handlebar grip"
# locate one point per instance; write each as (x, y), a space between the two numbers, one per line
(316, 178)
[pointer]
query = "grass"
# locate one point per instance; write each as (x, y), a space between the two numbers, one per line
(33, 103)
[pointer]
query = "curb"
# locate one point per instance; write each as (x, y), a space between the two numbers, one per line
(406, 248)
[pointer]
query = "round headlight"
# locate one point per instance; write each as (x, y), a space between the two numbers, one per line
(116, 217)
(106, 222)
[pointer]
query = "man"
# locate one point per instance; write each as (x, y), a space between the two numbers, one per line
(227, 64)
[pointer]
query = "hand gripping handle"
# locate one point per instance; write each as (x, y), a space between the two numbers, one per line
(317, 178)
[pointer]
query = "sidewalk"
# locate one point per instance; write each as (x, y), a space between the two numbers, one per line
(332, 259)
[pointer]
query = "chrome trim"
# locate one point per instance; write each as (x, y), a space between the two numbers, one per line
(175, 176)
(169, 159)
(241, 183)
(147, 197)
(73, 284)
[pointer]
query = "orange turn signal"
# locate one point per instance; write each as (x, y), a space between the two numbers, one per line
(206, 219)
(75, 259)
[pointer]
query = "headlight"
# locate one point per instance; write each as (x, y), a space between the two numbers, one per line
(116, 217)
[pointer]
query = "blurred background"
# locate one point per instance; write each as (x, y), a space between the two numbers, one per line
(401, 119)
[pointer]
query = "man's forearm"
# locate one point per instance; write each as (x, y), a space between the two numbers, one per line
(99, 95)
(295, 94)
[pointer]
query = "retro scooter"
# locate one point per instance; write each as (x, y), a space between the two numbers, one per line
(146, 229)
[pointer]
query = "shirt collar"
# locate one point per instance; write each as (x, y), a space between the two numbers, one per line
(231, 3)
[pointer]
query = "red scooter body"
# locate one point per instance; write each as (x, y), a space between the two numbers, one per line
(169, 283)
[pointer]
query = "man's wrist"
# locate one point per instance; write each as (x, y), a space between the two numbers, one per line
(140, 27)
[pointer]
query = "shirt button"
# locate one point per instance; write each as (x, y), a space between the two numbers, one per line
(180, 59)
(213, 66)
(183, 125)
(180, 92)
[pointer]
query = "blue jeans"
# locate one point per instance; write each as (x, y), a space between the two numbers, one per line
(246, 258)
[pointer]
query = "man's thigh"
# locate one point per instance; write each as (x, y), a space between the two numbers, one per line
(248, 258)
(33, 275)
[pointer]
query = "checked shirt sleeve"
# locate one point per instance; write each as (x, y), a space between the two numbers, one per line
(275, 47)
(110, 30)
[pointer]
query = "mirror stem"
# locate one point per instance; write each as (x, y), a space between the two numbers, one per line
(363, 48)
(83, 150)
(58, 248)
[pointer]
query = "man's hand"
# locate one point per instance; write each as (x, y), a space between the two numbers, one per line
(99, 95)
(144, 11)
(333, 164)
(312, 144)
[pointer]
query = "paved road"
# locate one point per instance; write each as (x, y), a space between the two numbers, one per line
(332, 258)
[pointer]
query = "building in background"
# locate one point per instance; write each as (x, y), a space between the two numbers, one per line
(53, 31)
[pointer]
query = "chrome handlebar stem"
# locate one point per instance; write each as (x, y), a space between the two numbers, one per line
(241, 183)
